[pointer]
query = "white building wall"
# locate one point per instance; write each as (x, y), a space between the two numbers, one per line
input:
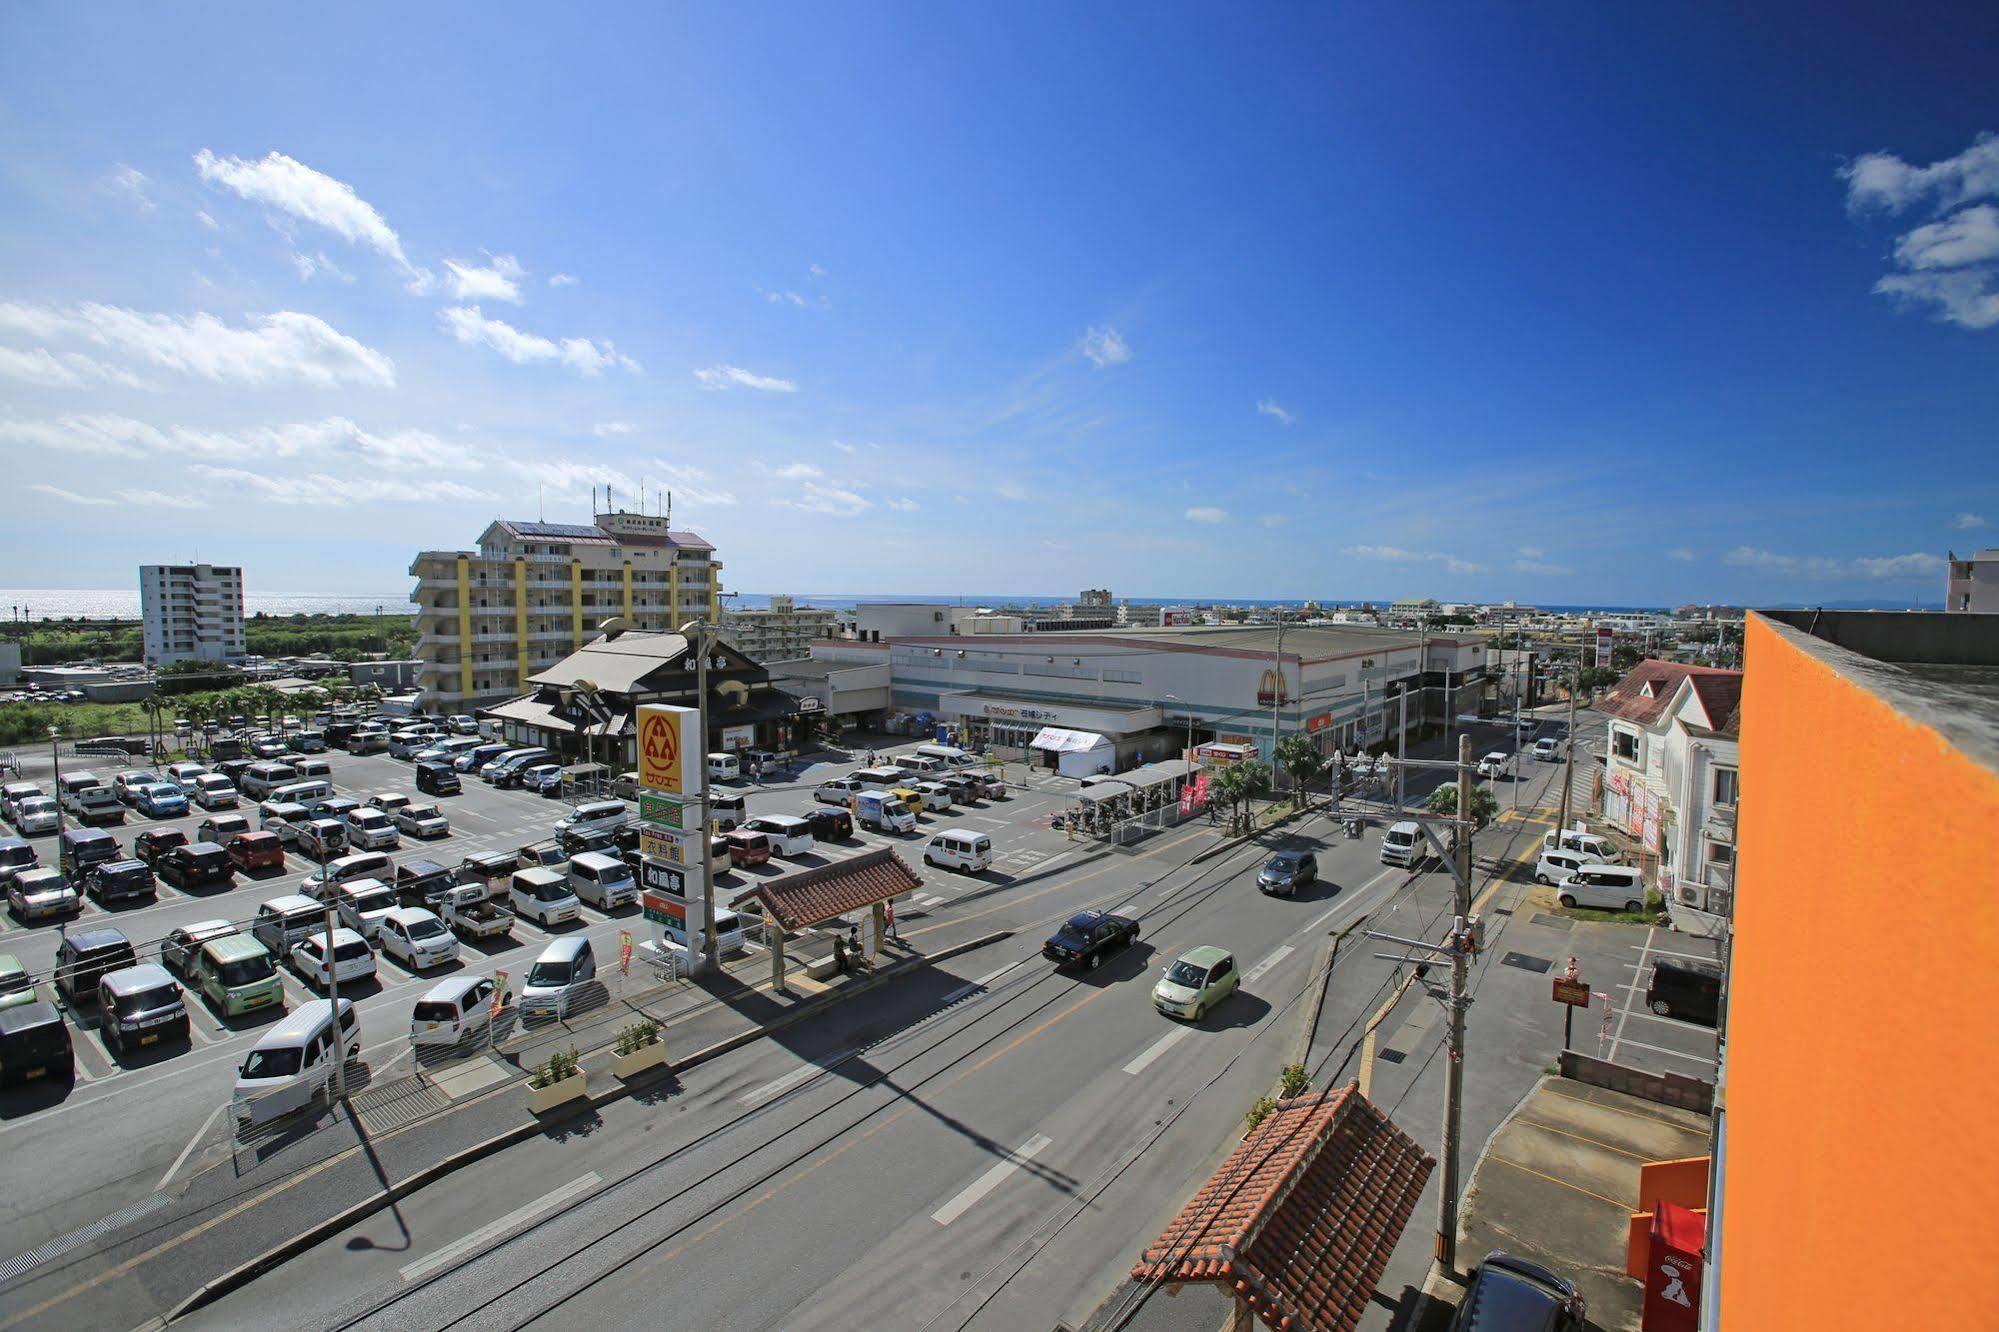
(191, 612)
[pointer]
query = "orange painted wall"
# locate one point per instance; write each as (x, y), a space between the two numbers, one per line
(1863, 1065)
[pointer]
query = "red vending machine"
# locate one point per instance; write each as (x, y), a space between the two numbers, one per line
(1673, 1271)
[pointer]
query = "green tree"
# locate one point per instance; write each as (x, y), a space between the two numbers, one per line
(1301, 760)
(1484, 805)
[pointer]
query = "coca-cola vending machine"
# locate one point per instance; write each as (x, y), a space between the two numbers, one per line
(1673, 1269)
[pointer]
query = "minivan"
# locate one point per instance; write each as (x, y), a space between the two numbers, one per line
(141, 1005)
(286, 820)
(360, 865)
(558, 978)
(283, 921)
(83, 849)
(593, 816)
(543, 895)
(1402, 844)
(212, 790)
(475, 760)
(451, 1010)
(602, 881)
(34, 1043)
(920, 762)
(437, 779)
(294, 1061)
(261, 779)
(503, 769)
(877, 779)
(237, 975)
(1689, 991)
(86, 957)
(724, 768)
(959, 849)
(1611, 887)
(307, 791)
(949, 755)
(789, 835)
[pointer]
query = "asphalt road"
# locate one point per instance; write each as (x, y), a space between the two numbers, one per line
(996, 1161)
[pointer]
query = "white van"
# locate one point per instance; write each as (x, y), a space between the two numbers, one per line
(921, 762)
(724, 768)
(283, 921)
(879, 779)
(789, 835)
(959, 849)
(837, 790)
(593, 817)
(602, 880)
(346, 869)
(949, 755)
(305, 792)
(1597, 848)
(558, 978)
(294, 1061)
(1402, 844)
(1555, 866)
(451, 1010)
(1611, 887)
(884, 812)
(259, 780)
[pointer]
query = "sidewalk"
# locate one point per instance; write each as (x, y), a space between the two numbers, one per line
(250, 1211)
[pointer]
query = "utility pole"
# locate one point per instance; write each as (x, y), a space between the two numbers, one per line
(698, 635)
(1454, 1072)
(55, 757)
(1569, 752)
(333, 982)
(1401, 751)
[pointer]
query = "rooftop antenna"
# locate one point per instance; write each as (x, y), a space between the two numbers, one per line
(610, 505)
(540, 505)
(642, 495)
(669, 508)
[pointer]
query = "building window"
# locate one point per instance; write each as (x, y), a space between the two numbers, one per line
(1720, 853)
(1725, 783)
(1625, 745)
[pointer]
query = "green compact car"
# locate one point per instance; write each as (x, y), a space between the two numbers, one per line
(1195, 983)
(235, 974)
(16, 985)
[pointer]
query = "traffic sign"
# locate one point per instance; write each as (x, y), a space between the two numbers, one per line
(663, 811)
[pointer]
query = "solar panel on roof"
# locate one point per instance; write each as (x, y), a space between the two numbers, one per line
(554, 529)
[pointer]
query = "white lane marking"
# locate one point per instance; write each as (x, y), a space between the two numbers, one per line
(1156, 1049)
(485, 1235)
(979, 984)
(1663, 952)
(777, 1087)
(1348, 903)
(928, 899)
(996, 823)
(1643, 955)
(1707, 1059)
(188, 1150)
(1261, 969)
(991, 1180)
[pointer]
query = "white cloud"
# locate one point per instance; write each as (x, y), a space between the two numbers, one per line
(202, 215)
(844, 447)
(812, 497)
(1397, 555)
(69, 495)
(1008, 490)
(1679, 553)
(1207, 513)
(497, 280)
(799, 299)
(1888, 567)
(291, 187)
(569, 477)
(733, 376)
(160, 499)
(1967, 237)
(1965, 297)
(689, 484)
(1541, 567)
(1104, 346)
(902, 504)
(336, 437)
(587, 357)
(1531, 552)
(816, 271)
(129, 182)
(1966, 522)
(317, 264)
(1274, 519)
(71, 370)
(1269, 407)
(1883, 180)
(563, 279)
(798, 471)
(274, 347)
(610, 429)
(321, 489)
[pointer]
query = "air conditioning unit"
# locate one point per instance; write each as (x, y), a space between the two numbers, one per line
(1689, 895)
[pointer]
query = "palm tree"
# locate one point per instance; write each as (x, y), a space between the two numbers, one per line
(1300, 758)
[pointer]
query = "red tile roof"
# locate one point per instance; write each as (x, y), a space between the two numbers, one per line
(1627, 698)
(811, 896)
(1301, 1218)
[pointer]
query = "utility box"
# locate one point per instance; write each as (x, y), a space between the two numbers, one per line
(1673, 1270)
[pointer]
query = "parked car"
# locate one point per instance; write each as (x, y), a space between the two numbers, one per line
(139, 1006)
(126, 785)
(789, 835)
(371, 830)
(1287, 872)
(17, 987)
(256, 851)
(547, 855)
(386, 801)
(1195, 982)
(416, 938)
(352, 960)
(178, 949)
(322, 839)
(95, 805)
(830, 825)
(544, 779)
(1088, 937)
(437, 779)
(1509, 1294)
(1687, 990)
(308, 742)
(161, 800)
(121, 881)
(741, 847)
(214, 791)
(35, 1043)
(184, 772)
(81, 850)
(422, 883)
(237, 975)
(363, 904)
(559, 978)
(13, 793)
(37, 814)
(935, 795)
(221, 828)
(196, 865)
(16, 854)
(38, 894)
(452, 1010)
(87, 957)
(424, 821)
(153, 843)
(544, 895)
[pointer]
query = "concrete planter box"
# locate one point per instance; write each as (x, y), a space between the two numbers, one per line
(638, 1061)
(541, 1100)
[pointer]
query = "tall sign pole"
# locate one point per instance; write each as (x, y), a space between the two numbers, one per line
(673, 822)
(1454, 1072)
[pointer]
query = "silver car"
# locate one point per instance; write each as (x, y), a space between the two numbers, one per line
(37, 894)
(37, 814)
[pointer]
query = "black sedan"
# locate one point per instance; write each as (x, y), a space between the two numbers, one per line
(1087, 938)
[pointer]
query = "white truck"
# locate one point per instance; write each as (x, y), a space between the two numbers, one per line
(472, 915)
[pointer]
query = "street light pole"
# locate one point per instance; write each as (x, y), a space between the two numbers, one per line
(55, 756)
(332, 980)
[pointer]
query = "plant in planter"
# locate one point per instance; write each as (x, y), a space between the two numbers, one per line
(638, 1048)
(554, 1081)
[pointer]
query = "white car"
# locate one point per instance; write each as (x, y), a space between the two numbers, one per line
(364, 904)
(37, 814)
(185, 773)
(353, 960)
(452, 1010)
(935, 795)
(212, 790)
(544, 895)
(370, 829)
(387, 801)
(1492, 765)
(416, 938)
(1548, 749)
(424, 821)
(13, 795)
(464, 723)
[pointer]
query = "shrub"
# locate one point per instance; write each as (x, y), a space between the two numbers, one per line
(636, 1037)
(559, 1065)
(1259, 1112)
(1296, 1082)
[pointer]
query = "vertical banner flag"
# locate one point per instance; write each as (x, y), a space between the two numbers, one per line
(624, 952)
(1603, 637)
(499, 992)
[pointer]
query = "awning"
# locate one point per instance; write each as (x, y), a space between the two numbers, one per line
(1067, 742)
(1300, 1220)
(813, 896)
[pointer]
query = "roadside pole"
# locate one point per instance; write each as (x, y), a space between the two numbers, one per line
(55, 756)
(711, 953)
(1401, 751)
(1569, 754)
(1454, 1072)
(333, 983)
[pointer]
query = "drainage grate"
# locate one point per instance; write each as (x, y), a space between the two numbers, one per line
(1392, 1056)
(1552, 922)
(1526, 963)
(56, 1248)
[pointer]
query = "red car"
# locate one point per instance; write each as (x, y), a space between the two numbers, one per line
(745, 848)
(256, 850)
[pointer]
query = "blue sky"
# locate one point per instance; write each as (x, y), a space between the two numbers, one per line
(1589, 305)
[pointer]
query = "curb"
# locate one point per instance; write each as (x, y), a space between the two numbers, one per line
(238, 1277)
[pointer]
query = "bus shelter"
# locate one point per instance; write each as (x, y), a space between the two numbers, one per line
(1142, 799)
(810, 897)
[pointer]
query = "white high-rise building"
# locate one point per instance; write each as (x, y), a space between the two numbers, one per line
(192, 612)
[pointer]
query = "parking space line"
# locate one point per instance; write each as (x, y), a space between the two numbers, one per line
(88, 1039)
(1706, 1059)
(1643, 955)
(1662, 952)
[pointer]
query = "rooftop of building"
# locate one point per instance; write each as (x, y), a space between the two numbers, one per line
(1647, 688)
(1938, 668)
(1308, 641)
